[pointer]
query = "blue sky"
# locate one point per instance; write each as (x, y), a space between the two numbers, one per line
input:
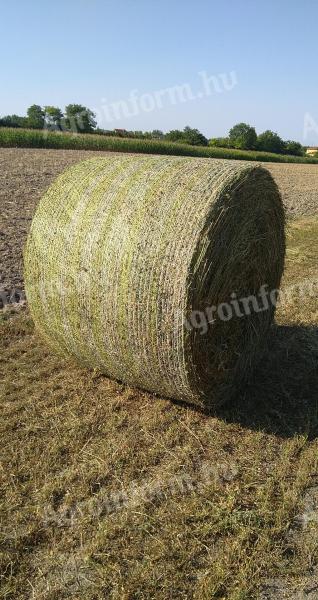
(97, 53)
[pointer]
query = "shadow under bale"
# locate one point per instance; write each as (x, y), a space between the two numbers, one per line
(282, 395)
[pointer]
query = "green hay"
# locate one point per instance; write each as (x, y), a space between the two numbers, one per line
(122, 249)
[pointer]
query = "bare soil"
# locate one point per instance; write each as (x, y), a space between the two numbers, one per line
(25, 174)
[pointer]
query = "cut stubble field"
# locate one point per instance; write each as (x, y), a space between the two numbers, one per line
(110, 492)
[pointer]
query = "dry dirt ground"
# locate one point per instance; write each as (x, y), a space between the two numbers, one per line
(26, 173)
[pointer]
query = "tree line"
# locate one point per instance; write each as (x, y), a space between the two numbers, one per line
(80, 119)
(76, 118)
(244, 137)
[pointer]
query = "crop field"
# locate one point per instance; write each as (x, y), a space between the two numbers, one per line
(29, 138)
(111, 492)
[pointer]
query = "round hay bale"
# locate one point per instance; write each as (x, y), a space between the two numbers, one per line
(137, 266)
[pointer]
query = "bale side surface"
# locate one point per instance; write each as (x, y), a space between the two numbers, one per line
(121, 251)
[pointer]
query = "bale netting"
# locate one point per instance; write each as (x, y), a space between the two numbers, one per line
(152, 270)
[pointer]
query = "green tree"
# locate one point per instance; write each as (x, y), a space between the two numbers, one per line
(294, 148)
(35, 117)
(194, 137)
(220, 142)
(188, 136)
(13, 121)
(157, 134)
(243, 136)
(175, 135)
(138, 134)
(269, 141)
(79, 118)
(53, 117)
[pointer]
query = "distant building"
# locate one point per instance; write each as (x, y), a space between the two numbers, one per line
(313, 150)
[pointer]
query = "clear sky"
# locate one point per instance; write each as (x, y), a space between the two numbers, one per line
(98, 53)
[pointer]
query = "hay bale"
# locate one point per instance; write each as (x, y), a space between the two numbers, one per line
(123, 249)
